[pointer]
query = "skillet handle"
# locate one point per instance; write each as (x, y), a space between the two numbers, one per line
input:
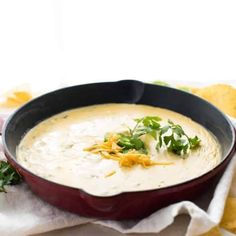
(134, 88)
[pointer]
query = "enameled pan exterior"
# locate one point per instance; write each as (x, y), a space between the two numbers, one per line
(127, 205)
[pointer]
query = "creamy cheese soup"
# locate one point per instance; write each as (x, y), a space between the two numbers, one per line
(54, 150)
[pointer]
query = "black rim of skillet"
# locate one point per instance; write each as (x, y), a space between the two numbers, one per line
(13, 159)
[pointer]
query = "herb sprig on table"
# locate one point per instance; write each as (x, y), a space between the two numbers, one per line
(8, 175)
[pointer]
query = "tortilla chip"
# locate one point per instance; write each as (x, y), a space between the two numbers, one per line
(228, 221)
(16, 99)
(213, 232)
(221, 95)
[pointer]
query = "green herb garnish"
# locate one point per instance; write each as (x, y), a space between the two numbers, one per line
(131, 139)
(161, 83)
(128, 147)
(8, 175)
(184, 88)
(175, 140)
(170, 136)
(128, 142)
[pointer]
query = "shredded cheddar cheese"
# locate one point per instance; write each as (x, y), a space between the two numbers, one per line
(109, 149)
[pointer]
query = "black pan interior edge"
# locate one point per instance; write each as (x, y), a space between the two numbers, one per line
(126, 91)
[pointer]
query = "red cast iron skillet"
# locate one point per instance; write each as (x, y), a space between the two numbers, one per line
(125, 205)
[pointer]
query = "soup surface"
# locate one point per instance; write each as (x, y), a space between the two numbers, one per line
(54, 149)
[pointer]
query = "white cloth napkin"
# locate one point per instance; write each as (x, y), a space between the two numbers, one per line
(23, 213)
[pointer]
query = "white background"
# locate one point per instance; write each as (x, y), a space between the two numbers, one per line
(51, 42)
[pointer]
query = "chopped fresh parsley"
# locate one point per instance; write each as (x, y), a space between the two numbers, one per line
(131, 139)
(146, 125)
(128, 142)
